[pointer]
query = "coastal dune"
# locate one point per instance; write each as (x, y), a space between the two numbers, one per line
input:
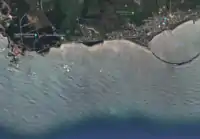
(117, 78)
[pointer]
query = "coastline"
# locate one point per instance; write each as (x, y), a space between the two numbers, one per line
(134, 42)
(187, 53)
(174, 28)
(141, 65)
(155, 25)
(148, 83)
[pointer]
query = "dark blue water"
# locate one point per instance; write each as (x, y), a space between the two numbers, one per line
(117, 129)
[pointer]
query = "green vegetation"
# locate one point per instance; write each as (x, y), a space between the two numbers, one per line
(109, 14)
(72, 10)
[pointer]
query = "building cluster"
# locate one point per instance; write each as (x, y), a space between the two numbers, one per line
(154, 25)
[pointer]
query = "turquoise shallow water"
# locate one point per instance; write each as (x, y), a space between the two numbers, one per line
(135, 93)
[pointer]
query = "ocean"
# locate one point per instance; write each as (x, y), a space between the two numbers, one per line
(115, 90)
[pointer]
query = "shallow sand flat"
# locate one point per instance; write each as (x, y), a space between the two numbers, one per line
(182, 41)
(117, 78)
